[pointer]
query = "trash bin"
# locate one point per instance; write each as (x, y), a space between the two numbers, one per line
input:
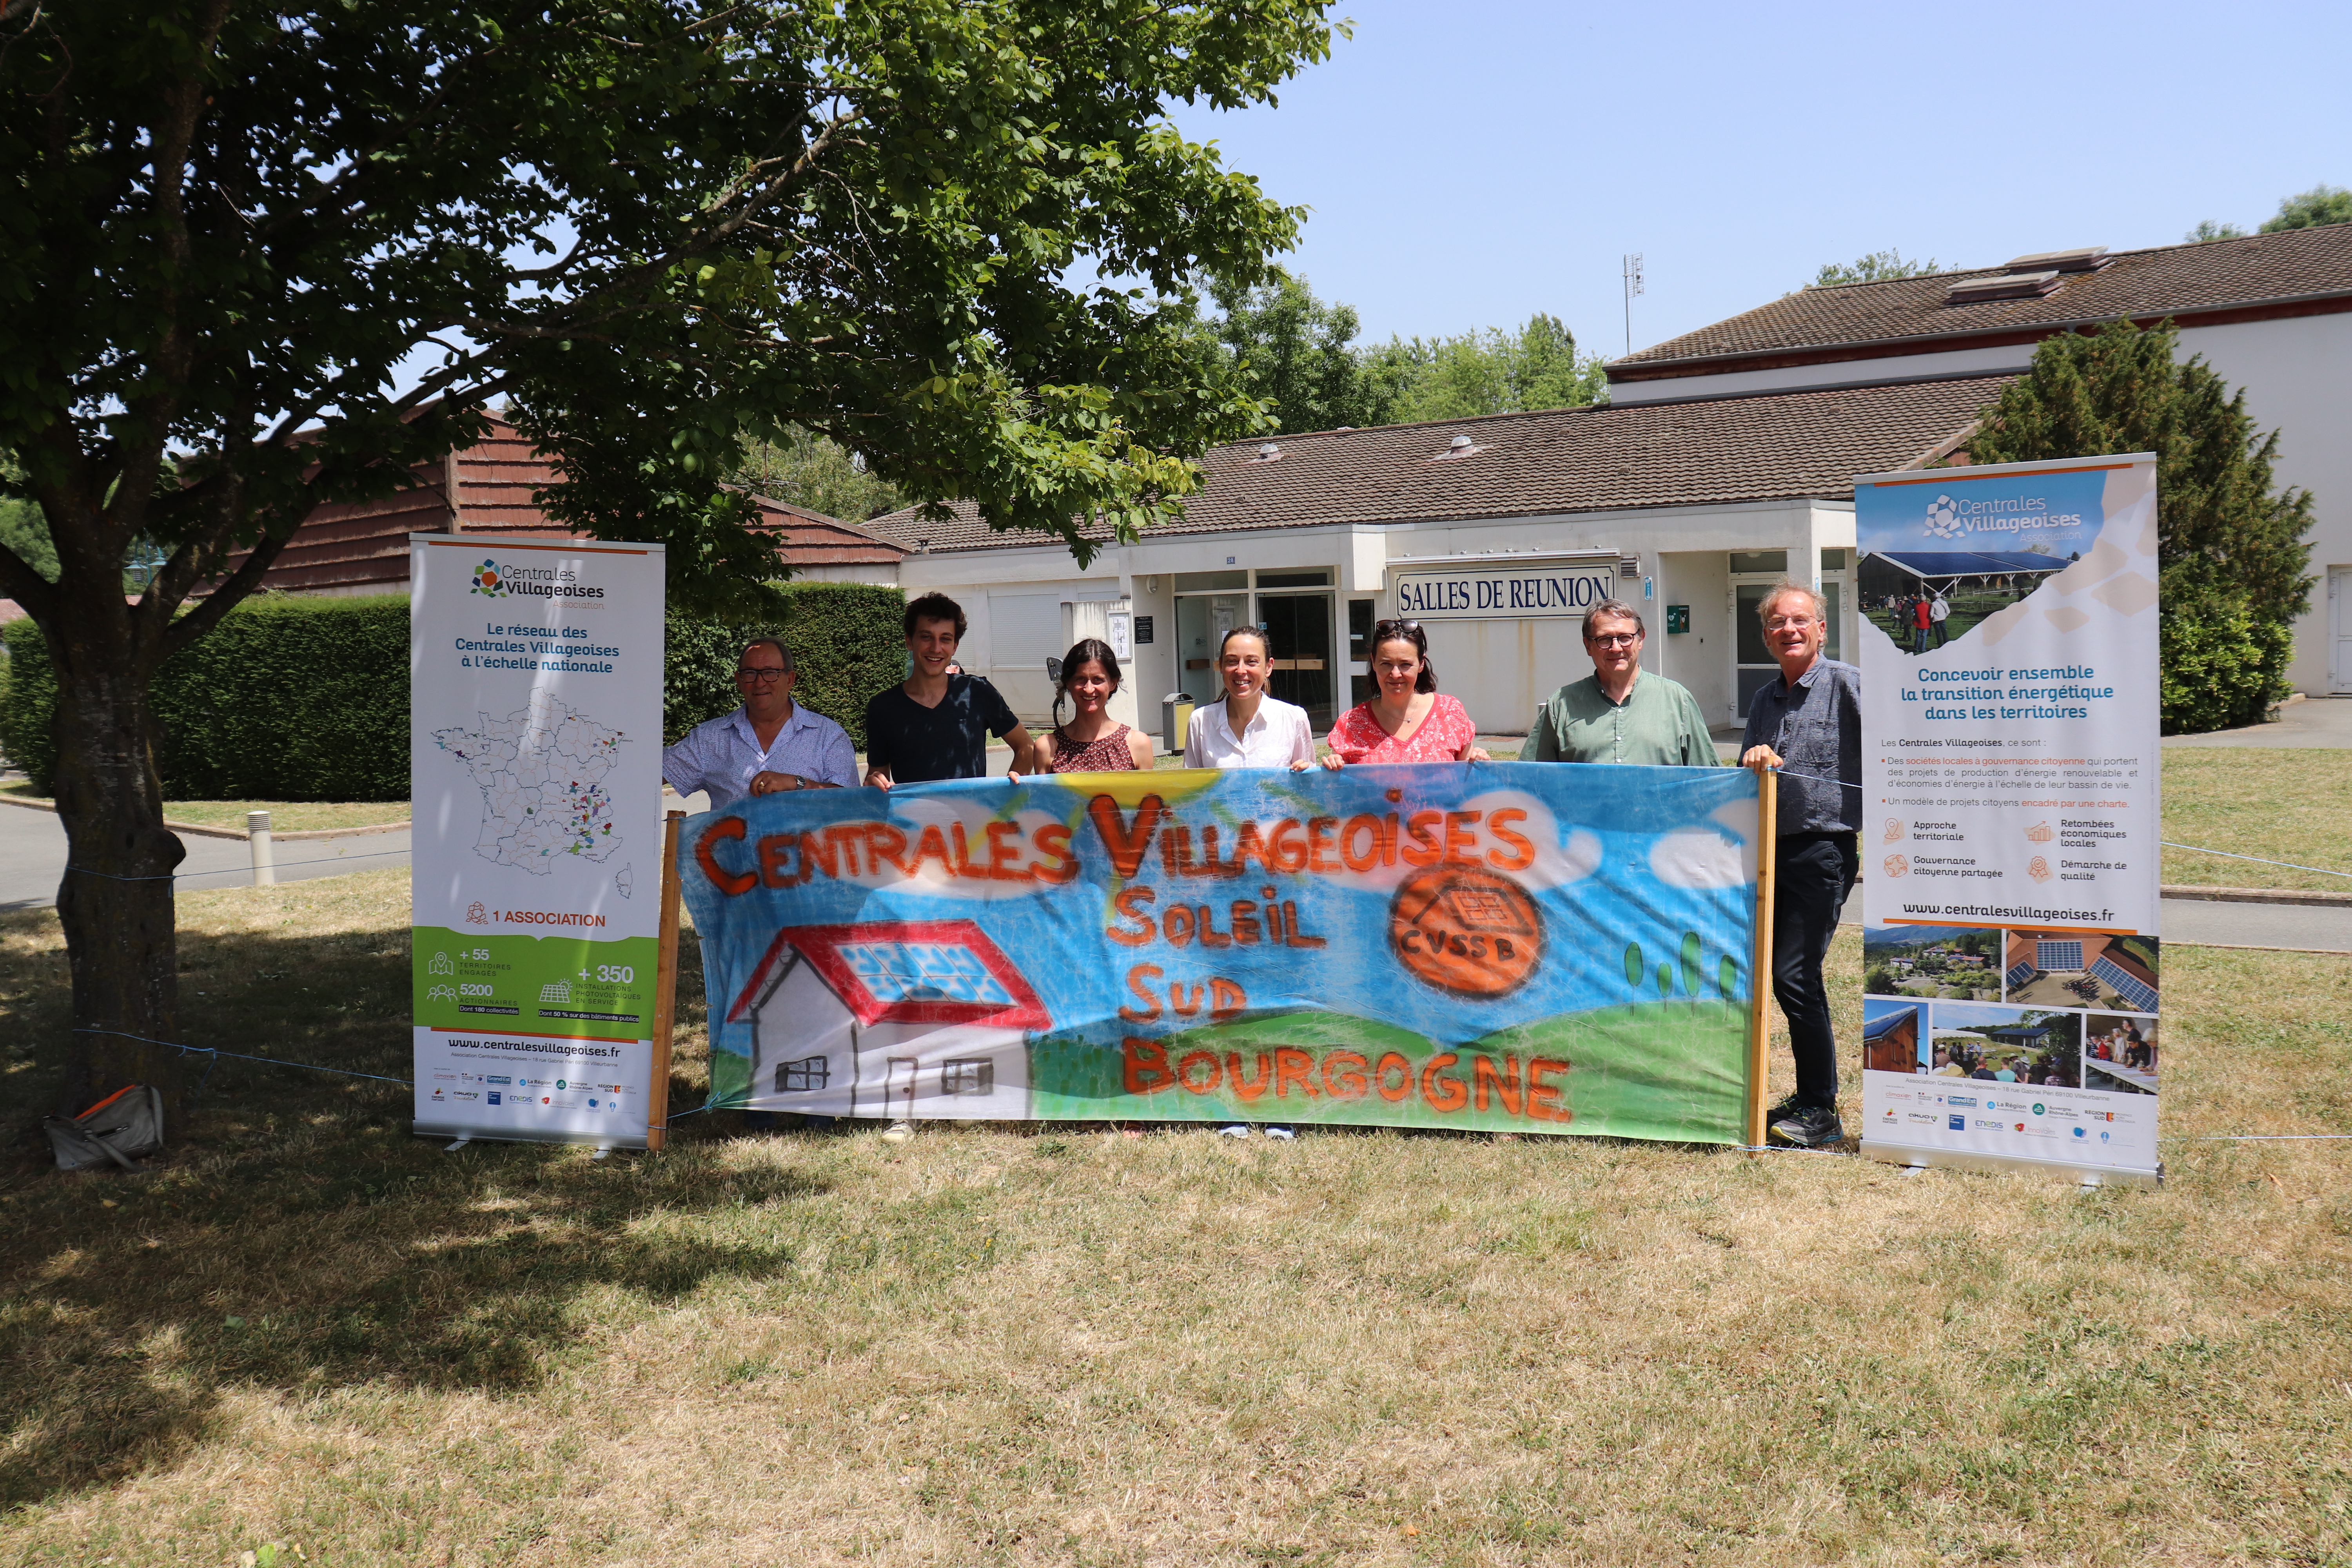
(1175, 720)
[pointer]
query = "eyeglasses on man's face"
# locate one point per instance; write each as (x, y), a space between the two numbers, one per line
(761, 675)
(1787, 623)
(1613, 639)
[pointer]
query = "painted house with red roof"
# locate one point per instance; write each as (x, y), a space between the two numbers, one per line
(919, 1020)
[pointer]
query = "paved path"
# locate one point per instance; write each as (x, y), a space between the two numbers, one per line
(2214, 923)
(33, 857)
(2313, 721)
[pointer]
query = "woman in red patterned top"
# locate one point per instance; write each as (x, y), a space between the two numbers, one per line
(1092, 741)
(1409, 720)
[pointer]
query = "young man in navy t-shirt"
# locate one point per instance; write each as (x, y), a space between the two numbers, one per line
(935, 725)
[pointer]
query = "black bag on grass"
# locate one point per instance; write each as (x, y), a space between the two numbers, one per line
(122, 1127)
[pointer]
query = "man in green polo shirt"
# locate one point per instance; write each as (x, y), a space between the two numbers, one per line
(1621, 713)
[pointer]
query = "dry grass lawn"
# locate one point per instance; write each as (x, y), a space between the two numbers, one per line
(1071, 1347)
(2279, 803)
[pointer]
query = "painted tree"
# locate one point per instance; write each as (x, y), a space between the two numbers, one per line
(2232, 546)
(654, 227)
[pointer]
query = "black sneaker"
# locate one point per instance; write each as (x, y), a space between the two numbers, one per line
(1789, 1103)
(1808, 1126)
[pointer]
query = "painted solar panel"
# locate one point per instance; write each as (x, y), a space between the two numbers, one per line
(2130, 987)
(2049, 955)
(2017, 975)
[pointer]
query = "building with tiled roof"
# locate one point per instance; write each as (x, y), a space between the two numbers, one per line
(361, 547)
(2270, 312)
(1494, 532)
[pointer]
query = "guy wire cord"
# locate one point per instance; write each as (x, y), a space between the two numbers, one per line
(241, 1055)
(231, 870)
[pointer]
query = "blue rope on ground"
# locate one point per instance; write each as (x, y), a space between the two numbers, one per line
(215, 1051)
(233, 870)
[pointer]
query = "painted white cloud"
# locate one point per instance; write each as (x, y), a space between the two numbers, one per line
(1723, 856)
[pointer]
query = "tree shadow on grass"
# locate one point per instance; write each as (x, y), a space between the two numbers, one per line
(299, 1241)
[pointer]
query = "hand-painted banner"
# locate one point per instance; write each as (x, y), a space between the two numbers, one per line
(1502, 946)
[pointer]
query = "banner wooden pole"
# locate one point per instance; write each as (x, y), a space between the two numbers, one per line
(1759, 1021)
(665, 989)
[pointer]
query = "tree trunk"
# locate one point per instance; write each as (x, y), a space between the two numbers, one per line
(115, 900)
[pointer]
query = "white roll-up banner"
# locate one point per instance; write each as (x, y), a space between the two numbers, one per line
(535, 714)
(2010, 844)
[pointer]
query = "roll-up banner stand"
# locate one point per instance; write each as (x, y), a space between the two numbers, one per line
(2010, 959)
(535, 671)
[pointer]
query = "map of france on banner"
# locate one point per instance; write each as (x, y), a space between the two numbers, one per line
(1502, 946)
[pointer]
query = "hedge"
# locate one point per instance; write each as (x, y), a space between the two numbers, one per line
(307, 698)
(287, 699)
(846, 641)
(2222, 669)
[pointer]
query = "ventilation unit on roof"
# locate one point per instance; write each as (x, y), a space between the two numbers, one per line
(2082, 258)
(1460, 446)
(1269, 453)
(2000, 286)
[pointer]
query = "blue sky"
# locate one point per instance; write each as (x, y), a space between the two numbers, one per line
(1474, 162)
(1977, 1014)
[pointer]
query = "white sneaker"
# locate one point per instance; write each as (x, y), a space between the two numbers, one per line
(899, 1132)
(1238, 1130)
(1284, 1133)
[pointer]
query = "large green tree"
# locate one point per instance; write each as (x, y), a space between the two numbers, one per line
(1875, 268)
(650, 225)
(1488, 370)
(2320, 205)
(2232, 549)
(813, 471)
(1295, 354)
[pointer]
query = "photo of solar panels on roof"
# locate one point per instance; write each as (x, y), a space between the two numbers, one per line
(2080, 969)
(1925, 598)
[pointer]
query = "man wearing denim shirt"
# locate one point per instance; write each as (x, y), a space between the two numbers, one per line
(769, 744)
(1808, 724)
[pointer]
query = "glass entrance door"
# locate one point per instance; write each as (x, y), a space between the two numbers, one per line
(1756, 667)
(1299, 635)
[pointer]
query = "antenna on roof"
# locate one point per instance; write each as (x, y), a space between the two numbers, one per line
(1632, 287)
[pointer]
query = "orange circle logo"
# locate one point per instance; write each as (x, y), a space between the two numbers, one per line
(1466, 931)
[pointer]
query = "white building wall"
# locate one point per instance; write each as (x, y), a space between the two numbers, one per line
(1500, 668)
(2298, 380)
(1838, 372)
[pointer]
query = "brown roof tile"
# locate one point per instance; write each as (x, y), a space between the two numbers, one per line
(363, 546)
(1781, 444)
(2292, 264)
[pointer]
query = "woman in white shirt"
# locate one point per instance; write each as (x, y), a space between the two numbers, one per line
(1248, 729)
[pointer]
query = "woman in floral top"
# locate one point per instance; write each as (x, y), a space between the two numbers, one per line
(1409, 720)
